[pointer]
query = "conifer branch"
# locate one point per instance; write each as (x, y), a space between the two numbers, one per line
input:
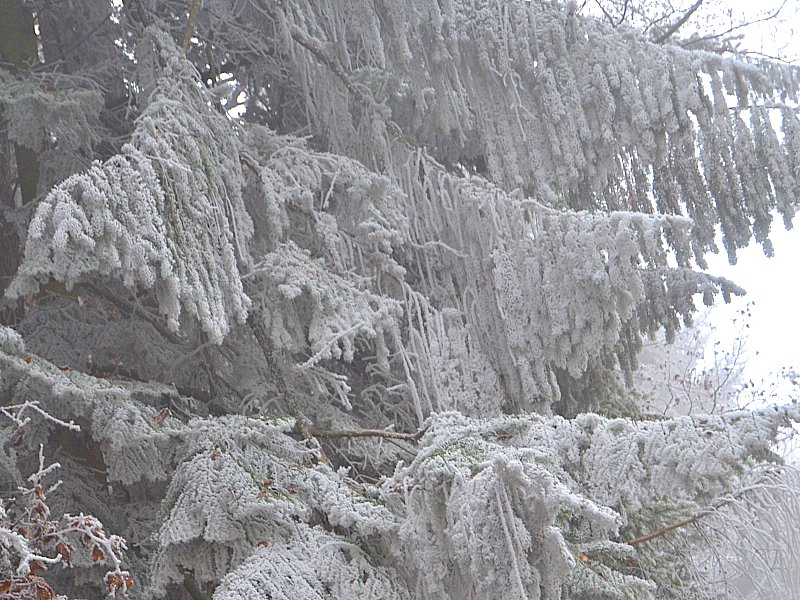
(262, 337)
(134, 311)
(313, 46)
(57, 288)
(18, 47)
(86, 37)
(723, 502)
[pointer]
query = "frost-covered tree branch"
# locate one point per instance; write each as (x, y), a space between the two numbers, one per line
(335, 299)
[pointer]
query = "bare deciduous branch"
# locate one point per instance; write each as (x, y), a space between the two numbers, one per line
(697, 40)
(679, 23)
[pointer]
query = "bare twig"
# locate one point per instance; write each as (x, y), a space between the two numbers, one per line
(624, 13)
(666, 529)
(605, 12)
(697, 40)
(358, 433)
(678, 24)
(33, 405)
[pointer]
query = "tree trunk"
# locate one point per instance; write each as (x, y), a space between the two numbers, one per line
(18, 51)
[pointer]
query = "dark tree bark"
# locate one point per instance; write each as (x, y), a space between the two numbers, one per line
(18, 51)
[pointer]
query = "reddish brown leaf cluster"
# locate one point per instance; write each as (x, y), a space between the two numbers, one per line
(118, 581)
(52, 541)
(27, 588)
(64, 550)
(162, 415)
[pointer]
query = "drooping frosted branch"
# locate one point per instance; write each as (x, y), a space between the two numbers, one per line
(570, 110)
(166, 214)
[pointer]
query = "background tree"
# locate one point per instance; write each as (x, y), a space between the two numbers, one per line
(705, 371)
(698, 372)
(345, 299)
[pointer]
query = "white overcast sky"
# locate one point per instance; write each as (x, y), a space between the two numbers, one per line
(773, 288)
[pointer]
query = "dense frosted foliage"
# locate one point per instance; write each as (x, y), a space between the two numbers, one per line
(343, 300)
(566, 108)
(166, 213)
(487, 509)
